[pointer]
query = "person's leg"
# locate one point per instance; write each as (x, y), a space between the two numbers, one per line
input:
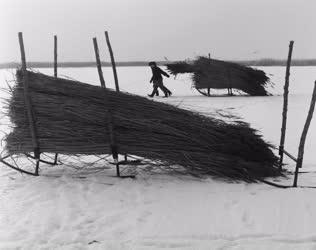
(163, 88)
(155, 90)
(166, 91)
(169, 92)
(156, 85)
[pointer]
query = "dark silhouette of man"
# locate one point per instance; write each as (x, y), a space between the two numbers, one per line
(156, 79)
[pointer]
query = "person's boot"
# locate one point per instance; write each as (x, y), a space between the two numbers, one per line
(157, 93)
(153, 93)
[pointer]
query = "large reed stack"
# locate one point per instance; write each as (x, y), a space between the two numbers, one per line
(70, 118)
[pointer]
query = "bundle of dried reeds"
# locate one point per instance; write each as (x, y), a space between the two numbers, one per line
(71, 119)
(180, 68)
(217, 74)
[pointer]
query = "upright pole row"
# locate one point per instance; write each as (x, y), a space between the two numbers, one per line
(110, 122)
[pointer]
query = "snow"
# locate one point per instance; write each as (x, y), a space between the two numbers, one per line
(66, 208)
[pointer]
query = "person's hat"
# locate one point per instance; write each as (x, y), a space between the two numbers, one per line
(152, 64)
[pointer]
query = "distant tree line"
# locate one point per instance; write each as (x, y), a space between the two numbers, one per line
(260, 62)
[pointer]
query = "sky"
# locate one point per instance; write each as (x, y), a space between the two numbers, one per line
(158, 29)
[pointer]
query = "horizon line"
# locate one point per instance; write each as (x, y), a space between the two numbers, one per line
(247, 62)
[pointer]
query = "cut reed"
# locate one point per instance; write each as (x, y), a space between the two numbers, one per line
(70, 118)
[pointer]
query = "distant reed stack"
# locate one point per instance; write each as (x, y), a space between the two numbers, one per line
(216, 74)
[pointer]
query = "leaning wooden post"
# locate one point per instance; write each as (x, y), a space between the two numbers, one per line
(55, 75)
(98, 61)
(28, 104)
(107, 109)
(113, 67)
(303, 137)
(285, 104)
(112, 61)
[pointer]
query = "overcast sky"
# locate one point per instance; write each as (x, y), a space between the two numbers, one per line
(154, 29)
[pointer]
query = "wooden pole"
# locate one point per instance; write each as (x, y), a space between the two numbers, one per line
(107, 109)
(303, 137)
(285, 104)
(114, 70)
(229, 80)
(28, 104)
(112, 61)
(55, 56)
(55, 75)
(209, 89)
(98, 62)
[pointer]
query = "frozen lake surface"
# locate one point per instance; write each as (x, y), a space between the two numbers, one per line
(67, 209)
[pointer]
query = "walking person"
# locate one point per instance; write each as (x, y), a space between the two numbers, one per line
(157, 81)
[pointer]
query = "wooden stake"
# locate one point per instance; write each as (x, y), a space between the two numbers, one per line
(55, 75)
(303, 137)
(107, 109)
(112, 61)
(208, 91)
(55, 56)
(285, 104)
(229, 80)
(23, 60)
(28, 104)
(97, 57)
(114, 69)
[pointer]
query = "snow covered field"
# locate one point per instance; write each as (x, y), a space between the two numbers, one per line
(69, 209)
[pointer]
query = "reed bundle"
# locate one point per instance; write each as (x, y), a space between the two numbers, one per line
(73, 117)
(217, 74)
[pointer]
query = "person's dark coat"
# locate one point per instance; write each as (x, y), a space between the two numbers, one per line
(157, 74)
